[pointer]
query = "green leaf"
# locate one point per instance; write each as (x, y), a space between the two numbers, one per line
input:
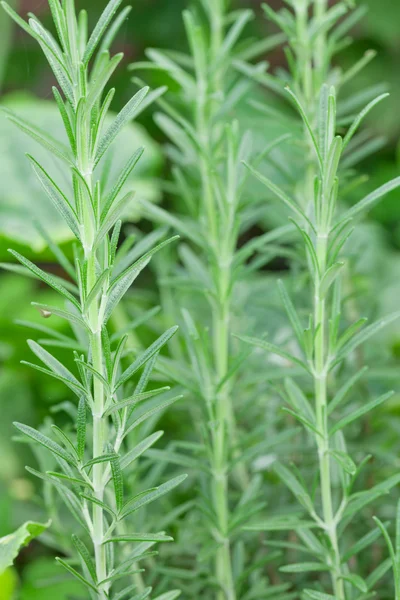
(388, 542)
(85, 556)
(308, 126)
(364, 335)
(281, 523)
(356, 123)
(54, 147)
(294, 485)
(120, 286)
(306, 567)
(361, 544)
(344, 461)
(291, 311)
(52, 363)
(75, 573)
(118, 483)
(134, 400)
(146, 415)
(172, 595)
(74, 480)
(357, 582)
(58, 199)
(96, 290)
(48, 311)
(97, 87)
(144, 499)
(146, 355)
(98, 502)
(273, 349)
(329, 278)
(11, 544)
(101, 27)
(100, 459)
(318, 595)
(369, 201)
(81, 429)
(344, 390)
(139, 537)
(139, 449)
(279, 193)
(49, 279)
(45, 441)
(123, 117)
(360, 412)
(119, 184)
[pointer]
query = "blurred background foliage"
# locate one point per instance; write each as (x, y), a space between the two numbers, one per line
(25, 82)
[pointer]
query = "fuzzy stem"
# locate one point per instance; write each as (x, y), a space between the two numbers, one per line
(321, 396)
(99, 430)
(209, 90)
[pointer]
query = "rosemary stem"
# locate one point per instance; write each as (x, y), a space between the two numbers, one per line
(321, 396)
(209, 89)
(98, 433)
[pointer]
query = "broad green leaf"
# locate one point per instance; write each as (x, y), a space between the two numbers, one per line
(11, 544)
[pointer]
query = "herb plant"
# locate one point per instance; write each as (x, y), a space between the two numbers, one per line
(91, 465)
(209, 179)
(325, 344)
(275, 494)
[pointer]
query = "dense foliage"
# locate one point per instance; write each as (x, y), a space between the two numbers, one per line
(233, 402)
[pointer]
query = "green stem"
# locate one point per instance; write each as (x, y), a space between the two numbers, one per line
(208, 94)
(99, 433)
(321, 397)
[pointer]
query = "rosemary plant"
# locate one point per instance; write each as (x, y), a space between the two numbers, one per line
(208, 181)
(324, 345)
(90, 474)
